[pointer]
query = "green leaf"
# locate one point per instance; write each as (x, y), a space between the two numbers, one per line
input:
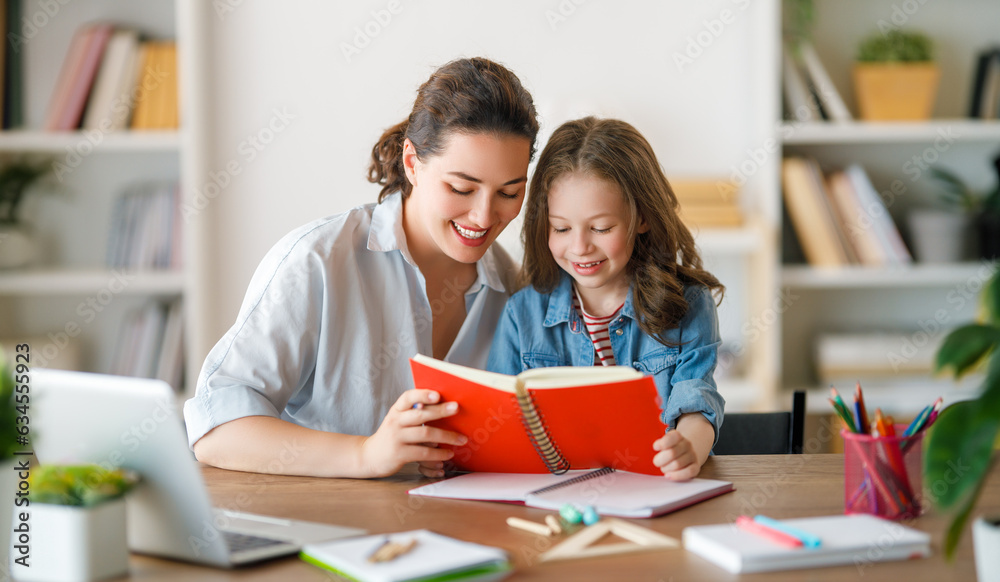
(990, 299)
(960, 447)
(957, 525)
(965, 347)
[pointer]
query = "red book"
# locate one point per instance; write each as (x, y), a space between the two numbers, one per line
(77, 77)
(548, 419)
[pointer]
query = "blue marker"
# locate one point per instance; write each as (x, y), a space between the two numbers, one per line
(808, 539)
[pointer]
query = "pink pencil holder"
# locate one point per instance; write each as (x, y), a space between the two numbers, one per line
(882, 475)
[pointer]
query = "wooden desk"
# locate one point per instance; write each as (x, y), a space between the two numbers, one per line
(782, 486)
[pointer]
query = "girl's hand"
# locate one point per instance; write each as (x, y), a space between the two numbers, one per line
(403, 438)
(677, 458)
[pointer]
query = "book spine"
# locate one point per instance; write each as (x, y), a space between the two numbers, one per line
(538, 433)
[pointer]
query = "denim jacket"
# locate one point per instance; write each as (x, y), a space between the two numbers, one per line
(538, 330)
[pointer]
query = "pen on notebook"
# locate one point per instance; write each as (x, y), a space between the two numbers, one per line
(388, 550)
(807, 539)
(779, 537)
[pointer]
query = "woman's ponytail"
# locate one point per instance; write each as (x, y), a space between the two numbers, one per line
(386, 167)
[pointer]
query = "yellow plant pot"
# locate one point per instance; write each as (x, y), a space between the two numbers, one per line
(895, 91)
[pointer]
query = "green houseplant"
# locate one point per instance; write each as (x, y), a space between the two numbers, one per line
(8, 446)
(964, 434)
(895, 77)
(77, 523)
(983, 207)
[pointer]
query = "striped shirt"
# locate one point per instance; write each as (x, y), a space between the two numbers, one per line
(597, 329)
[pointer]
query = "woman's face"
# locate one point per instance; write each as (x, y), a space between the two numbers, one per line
(466, 195)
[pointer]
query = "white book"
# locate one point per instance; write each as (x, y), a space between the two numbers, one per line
(152, 321)
(845, 539)
(798, 100)
(879, 215)
(168, 366)
(610, 492)
(833, 103)
(432, 557)
(110, 99)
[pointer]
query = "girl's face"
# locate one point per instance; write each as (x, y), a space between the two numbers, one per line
(466, 195)
(588, 235)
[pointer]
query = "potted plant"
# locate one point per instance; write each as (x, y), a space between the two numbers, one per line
(982, 207)
(959, 451)
(895, 77)
(16, 175)
(8, 446)
(77, 516)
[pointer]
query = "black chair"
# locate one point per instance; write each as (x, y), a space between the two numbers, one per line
(763, 433)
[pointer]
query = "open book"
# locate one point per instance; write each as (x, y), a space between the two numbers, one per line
(547, 419)
(610, 492)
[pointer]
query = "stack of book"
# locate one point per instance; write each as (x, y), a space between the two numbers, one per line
(151, 344)
(110, 80)
(708, 203)
(986, 86)
(874, 358)
(840, 219)
(810, 94)
(145, 228)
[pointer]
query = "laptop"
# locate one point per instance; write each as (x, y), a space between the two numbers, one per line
(118, 421)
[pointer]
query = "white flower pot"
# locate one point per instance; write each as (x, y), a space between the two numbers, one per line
(8, 489)
(17, 247)
(939, 236)
(986, 544)
(73, 544)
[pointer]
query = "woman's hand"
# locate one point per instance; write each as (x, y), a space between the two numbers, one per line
(403, 438)
(676, 457)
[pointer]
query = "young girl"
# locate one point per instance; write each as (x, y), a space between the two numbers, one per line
(314, 377)
(615, 279)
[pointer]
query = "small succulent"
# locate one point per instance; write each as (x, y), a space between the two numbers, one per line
(896, 46)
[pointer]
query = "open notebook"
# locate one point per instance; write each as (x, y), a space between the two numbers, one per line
(611, 492)
(845, 539)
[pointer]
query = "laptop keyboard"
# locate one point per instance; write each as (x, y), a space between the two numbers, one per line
(238, 542)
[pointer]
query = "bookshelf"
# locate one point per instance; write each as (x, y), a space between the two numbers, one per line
(914, 299)
(70, 288)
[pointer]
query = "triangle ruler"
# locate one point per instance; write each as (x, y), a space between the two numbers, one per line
(580, 544)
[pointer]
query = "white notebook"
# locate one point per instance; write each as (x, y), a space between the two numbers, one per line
(434, 557)
(610, 492)
(845, 539)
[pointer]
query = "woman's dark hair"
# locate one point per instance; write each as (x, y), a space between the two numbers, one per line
(473, 95)
(664, 258)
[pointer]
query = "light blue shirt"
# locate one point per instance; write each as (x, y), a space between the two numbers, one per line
(332, 315)
(539, 330)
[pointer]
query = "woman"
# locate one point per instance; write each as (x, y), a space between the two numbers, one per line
(314, 378)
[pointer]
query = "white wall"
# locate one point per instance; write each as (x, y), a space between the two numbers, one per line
(609, 58)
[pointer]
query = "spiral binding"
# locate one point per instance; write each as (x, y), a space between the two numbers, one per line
(575, 480)
(538, 433)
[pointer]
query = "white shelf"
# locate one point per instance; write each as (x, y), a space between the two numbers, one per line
(743, 240)
(84, 142)
(884, 132)
(918, 276)
(53, 282)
